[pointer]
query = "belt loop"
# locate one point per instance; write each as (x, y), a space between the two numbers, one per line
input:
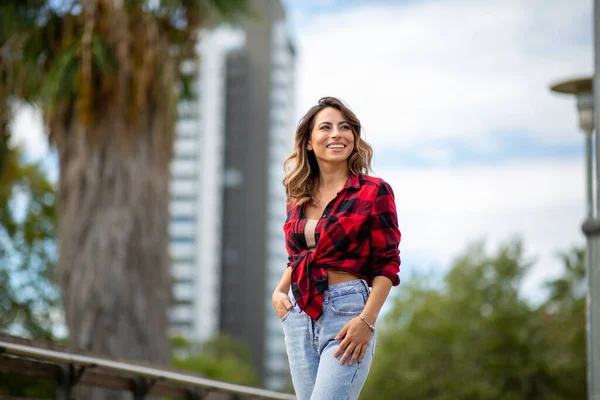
(366, 285)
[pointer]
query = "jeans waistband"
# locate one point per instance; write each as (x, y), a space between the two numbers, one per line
(340, 289)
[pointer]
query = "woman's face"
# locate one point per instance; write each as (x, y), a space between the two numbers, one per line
(331, 138)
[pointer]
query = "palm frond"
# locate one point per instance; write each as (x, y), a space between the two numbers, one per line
(231, 10)
(101, 56)
(44, 60)
(61, 81)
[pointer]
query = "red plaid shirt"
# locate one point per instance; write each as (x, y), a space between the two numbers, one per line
(357, 233)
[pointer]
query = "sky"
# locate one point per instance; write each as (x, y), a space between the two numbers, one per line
(454, 97)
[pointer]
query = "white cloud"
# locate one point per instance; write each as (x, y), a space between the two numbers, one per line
(423, 74)
(442, 211)
(424, 71)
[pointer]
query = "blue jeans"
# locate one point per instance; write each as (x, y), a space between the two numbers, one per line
(316, 373)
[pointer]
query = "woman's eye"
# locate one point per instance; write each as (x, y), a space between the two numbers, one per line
(325, 127)
(345, 127)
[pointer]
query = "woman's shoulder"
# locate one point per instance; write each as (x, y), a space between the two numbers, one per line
(373, 187)
(292, 207)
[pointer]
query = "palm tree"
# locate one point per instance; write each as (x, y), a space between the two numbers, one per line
(106, 75)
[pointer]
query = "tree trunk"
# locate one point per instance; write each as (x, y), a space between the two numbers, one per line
(113, 235)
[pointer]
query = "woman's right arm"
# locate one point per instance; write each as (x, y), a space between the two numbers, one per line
(281, 301)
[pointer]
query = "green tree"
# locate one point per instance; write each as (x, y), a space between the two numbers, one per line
(28, 291)
(223, 358)
(564, 316)
(477, 338)
(106, 75)
(29, 294)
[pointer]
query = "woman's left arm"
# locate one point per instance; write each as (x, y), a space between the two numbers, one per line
(356, 333)
(385, 240)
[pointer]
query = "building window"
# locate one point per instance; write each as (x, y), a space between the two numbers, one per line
(183, 197)
(186, 219)
(182, 240)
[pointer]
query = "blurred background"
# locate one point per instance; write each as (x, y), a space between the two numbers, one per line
(487, 165)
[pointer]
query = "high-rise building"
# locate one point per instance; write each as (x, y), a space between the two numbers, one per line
(228, 203)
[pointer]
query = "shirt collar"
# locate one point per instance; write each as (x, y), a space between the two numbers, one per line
(352, 182)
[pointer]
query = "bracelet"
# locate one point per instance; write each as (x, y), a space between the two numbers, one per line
(371, 326)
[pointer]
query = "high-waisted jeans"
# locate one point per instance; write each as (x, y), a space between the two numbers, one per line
(316, 373)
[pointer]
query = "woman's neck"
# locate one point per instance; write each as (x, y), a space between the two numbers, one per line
(330, 178)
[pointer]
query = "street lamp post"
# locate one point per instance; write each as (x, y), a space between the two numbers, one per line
(582, 89)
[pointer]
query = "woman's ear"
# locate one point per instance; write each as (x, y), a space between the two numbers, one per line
(309, 147)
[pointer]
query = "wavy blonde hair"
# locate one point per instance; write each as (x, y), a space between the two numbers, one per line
(301, 168)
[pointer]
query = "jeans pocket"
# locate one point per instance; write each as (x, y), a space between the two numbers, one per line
(348, 304)
(287, 314)
(293, 302)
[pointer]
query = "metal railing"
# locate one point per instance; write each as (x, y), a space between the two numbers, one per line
(28, 358)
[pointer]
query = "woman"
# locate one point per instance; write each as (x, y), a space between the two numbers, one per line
(342, 237)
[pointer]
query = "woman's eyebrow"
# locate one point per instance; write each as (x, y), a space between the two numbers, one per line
(329, 123)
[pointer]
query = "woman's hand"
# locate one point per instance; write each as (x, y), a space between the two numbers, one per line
(281, 303)
(356, 335)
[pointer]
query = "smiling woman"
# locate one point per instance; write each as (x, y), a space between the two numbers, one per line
(342, 236)
(302, 166)
(332, 141)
